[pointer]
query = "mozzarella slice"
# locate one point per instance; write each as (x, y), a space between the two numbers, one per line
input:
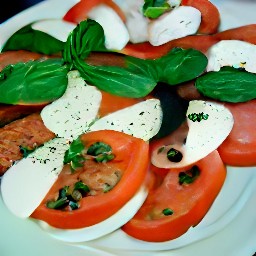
(26, 183)
(57, 28)
(174, 3)
(70, 115)
(234, 53)
(180, 22)
(203, 136)
(142, 120)
(116, 34)
(103, 228)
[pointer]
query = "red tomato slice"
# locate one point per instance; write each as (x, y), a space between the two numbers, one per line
(245, 33)
(131, 161)
(189, 202)
(239, 149)
(111, 103)
(210, 15)
(79, 11)
(148, 51)
(13, 57)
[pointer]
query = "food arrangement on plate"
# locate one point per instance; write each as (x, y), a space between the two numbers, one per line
(128, 116)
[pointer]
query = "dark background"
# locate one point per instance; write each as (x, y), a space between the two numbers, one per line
(12, 7)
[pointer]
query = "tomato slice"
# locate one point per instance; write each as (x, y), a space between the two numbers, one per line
(131, 162)
(111, 103)
(13, 57)
(210, 15)
(79, 11)
(239, 149)
(245, 33)
(172, 208)
(147, 51)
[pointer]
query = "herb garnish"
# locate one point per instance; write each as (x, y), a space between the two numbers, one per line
(155, 8)
(189, 176)
(167, 212)
(77, 153)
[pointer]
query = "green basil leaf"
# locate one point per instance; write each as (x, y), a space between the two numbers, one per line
(33, 82)
(75, 149)
(229, 85)
(88, 36)
(181, 65)
(155, 8)
(120, 81)
(33, 40)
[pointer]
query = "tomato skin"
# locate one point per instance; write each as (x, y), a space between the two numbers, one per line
(79, 11)
(148, 51)
(245, 33)
(210, 15)
(189, 203)
(94, 209)
(239, 149)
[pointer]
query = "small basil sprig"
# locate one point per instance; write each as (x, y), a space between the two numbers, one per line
(155, 8)
(87, 37)
(229, 85)
(33, 82)
(29, 39)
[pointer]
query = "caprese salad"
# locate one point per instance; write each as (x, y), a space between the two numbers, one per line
(142, 104)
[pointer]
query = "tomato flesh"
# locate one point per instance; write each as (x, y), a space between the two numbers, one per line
(132, 166)
(239, 149)
(189, 202)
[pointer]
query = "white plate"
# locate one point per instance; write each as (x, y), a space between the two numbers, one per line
(228, 229)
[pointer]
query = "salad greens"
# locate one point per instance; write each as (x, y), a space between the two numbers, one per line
(43, 81)
(33, 82)
(33, 40)
(139, 76)
(229, 84)
(155, 8)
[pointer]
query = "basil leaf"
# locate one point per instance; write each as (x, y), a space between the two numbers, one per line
(120, 81)
(139, 76)
(88, 36)
(33, 82)
(75, 149)
(155, 8)
(181, 65)
(33, 40)
(229, 85)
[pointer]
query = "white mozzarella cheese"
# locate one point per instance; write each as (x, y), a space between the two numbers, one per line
(180, 22)
(142, 120)
(70, 115)
(57, 28)
(203, 136)
(174, 3)
(26, 183)
(116, 33)
(235, 53)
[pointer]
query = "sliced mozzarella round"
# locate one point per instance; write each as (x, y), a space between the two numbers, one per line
(57, 28)
(103, 228)
(203, 136)
(136, 22)
(142, 120)
(26, 183)
(71, 115)
(238, 54)
(116, 33)
(180, 22)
